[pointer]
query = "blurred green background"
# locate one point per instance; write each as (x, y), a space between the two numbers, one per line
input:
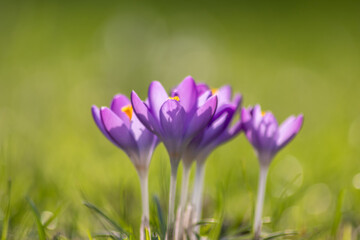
(57, 58)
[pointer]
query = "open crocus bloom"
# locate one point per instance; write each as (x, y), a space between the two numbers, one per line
(220, 129)
(264, 133)
(123, 128)
(175, 119)
(267, 137)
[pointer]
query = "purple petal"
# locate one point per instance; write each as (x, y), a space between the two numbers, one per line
(237, 100)
(267, 132)
(157, 96)
(248, 126)
(288, 130)
(186, 91)
(202, 117)
(246, 118)
(256, 116)
(201, 88)
(118, 102)
(97, 118)
(172, 118)
(203, 98)
(224, 95)
(144, 115)
(118, 130)
(219, 123)
(146, 140)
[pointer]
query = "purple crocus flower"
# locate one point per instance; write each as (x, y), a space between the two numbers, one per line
(217, 132)
(176, 120)
(264, 133)
(267, 137)
(124, 130)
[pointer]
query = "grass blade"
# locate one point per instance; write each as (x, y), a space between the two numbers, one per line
(7, 214)
(160, 217)
(103, 215)
(40, 227)
(281, 234)
(338, 213)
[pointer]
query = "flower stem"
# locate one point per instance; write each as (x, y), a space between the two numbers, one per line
(183, 199)
(198, 189)
(260, 201)
(184, 187)
(143, 175)
(172, 196)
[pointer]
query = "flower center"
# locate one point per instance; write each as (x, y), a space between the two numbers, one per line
(214, 91)
(263, 113)
(128, 110)
(175, 98)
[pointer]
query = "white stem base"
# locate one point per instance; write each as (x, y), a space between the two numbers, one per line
(145, 218)
(197, 192)
(172, 196)
(260, 202)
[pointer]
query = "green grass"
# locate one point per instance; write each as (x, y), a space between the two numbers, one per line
(57, 58)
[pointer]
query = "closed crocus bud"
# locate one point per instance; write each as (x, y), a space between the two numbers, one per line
(267, 138)
(124, 130)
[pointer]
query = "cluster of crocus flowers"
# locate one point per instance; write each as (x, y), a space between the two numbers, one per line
(191, 121)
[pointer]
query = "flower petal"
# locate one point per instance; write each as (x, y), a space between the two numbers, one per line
(157, 96)
(288, 130)
(186, 91)
(203, 98)
(145, 140)
(97, 118)
(172, 118)
(256, 116)
(118, 130)
(224, 95)
(201, 117)
(219, 123)
(118, 102)
(144, 115)
(237, 100)
(267, 132)
(201, 88)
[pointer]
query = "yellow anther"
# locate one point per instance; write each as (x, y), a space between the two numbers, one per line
(175, 98)
(128, 110)
(263, 113)
(214, 91)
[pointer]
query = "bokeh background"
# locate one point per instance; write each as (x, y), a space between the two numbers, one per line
(57, 58)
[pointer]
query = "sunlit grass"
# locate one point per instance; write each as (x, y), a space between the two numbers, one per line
(59, 58)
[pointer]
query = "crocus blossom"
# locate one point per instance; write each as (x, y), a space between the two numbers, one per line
(267, 138)
(176, 120)
(264, 133)
(221, 129)
(124, 130)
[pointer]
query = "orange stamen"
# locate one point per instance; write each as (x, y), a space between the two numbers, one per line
(128, 110)
(175, 98)
(263, 113)
(214, 91)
